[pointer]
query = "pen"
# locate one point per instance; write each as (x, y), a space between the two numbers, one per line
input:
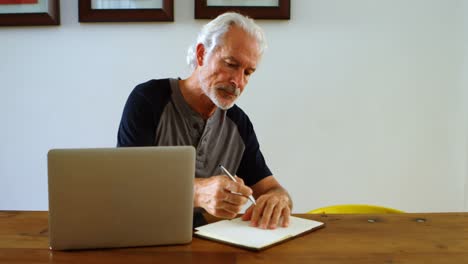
(234, 179)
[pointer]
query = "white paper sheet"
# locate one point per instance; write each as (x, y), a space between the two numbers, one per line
(240, 233)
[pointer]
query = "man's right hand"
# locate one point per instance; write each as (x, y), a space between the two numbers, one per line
(220, 196)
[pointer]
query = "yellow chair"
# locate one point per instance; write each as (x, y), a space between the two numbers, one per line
(355, 209)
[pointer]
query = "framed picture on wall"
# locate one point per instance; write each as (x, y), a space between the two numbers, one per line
(257, 9)
(125, 10)
(29, 12)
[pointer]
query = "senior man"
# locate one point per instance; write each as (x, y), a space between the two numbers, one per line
(201, 111)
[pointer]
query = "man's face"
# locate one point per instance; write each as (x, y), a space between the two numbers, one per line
(226, 71)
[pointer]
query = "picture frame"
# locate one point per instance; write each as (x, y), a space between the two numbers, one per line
(257, 9)
(29, 13)
(96, 11)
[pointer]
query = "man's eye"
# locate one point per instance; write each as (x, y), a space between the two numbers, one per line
(248, 73)
(232, 65)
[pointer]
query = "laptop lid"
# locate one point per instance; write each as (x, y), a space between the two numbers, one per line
(120, 197)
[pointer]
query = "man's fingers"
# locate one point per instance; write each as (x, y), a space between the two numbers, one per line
(266, 215)
(286, 213)
(235, 199)
(248, 213)
(220, 196)
(224, 209)
(235, 209)
(275, 217)
(238, 187)
(222, 213)
(256, 213)
(269, 213)
(239, 180)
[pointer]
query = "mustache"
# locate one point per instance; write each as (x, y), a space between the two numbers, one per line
(230, 89)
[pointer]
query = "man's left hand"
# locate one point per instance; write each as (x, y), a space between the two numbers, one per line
(271, 208)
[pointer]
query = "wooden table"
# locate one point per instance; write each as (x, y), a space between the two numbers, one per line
(398, 238)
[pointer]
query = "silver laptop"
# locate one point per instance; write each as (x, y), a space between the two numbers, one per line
(120, 197)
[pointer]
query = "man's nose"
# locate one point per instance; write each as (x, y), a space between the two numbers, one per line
(238, 79)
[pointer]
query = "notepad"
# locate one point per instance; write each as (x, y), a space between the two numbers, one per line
(240, 233)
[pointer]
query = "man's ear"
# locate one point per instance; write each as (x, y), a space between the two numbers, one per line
(200, 54)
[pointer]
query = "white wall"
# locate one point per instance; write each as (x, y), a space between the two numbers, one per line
(354, 102)
(464, 88)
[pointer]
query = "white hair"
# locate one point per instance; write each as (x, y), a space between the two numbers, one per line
(211, 34)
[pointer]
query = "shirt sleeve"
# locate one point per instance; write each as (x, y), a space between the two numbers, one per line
(142, 113)
(252, 167)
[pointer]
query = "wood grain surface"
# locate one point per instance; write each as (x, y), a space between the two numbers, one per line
(391, 238)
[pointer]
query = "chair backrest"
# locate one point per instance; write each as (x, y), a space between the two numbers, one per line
(355, 209)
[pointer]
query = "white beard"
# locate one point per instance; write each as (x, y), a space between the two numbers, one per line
(212, 94)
